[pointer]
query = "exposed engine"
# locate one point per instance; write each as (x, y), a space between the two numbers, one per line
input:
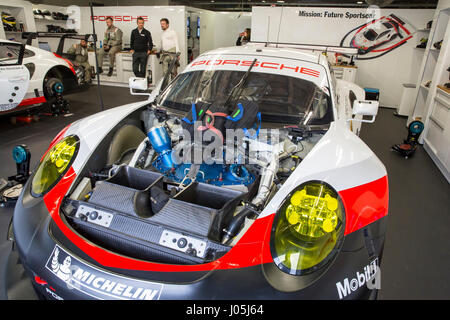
(150, 206)
(215, 174)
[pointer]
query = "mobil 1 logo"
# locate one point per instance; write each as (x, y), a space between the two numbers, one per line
(370, 276)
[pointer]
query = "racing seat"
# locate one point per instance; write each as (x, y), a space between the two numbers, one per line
(409, 145)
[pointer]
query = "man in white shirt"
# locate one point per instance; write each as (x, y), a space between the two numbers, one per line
(169, 47)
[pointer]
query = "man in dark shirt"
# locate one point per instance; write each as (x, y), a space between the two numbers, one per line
(141, 46)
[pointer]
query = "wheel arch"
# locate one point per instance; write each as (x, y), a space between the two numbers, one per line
(63, 73)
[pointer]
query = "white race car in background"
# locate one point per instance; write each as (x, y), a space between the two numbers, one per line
(303, 218)
(46, 72)
(14, 78)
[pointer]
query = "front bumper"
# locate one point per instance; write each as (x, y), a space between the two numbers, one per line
(59, 270)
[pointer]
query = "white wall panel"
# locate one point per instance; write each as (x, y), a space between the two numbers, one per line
(387, 72)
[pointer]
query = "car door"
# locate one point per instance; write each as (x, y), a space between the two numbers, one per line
(14, 76)
(384, 36)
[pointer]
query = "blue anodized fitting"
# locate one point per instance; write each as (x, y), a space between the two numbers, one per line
(161, 143)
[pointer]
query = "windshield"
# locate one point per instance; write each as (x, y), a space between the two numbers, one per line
(280, 98)
(9, 53)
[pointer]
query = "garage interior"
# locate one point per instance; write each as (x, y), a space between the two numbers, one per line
(416, 259)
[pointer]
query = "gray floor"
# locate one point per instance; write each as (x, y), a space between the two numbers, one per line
(416, 260)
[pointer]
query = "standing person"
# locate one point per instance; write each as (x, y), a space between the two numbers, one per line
(81, 58)
(141, 46)
(111, 45)
(244, 37)
(169, 48)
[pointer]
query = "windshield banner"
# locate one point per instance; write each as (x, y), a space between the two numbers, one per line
(293, 68)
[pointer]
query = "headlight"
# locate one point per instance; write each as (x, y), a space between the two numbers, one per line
(308, 229)
(54, 165)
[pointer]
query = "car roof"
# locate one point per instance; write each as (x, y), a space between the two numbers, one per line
(259, 50)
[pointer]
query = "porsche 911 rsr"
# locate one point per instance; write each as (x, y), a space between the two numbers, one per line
(242, 178)
(47, 71)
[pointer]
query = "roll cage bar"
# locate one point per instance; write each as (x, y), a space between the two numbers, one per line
(304, 46)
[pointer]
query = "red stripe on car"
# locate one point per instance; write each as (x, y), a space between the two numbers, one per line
(365, 204)
(247, 252)
(30, 101)
(67, 61)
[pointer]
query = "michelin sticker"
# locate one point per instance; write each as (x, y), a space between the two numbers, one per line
(96, 283)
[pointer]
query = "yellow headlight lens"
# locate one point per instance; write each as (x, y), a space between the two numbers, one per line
(308, 227)
(54, 165)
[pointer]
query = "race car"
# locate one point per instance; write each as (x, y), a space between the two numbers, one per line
(49, 74)
(242, 178)
(379, 33)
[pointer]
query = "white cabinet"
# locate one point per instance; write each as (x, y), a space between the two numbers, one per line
(123, 68)
(432, 102)
(407, 101)
(437, 135)
(433, 68)
(22, 11)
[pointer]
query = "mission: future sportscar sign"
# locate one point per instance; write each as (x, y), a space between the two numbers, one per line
(338, 15)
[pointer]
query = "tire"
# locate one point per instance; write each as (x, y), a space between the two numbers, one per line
(48, 84)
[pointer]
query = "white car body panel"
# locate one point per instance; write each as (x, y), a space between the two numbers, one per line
(344, 106)
(13, 86)
(340, 158)
(43, 61)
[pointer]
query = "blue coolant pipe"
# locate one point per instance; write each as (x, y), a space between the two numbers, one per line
(216, 174)
(161, 143)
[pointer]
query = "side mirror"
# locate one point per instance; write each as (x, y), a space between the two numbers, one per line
(138, 84)
(365, 108)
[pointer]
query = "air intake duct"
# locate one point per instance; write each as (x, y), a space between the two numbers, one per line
(161, 143)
